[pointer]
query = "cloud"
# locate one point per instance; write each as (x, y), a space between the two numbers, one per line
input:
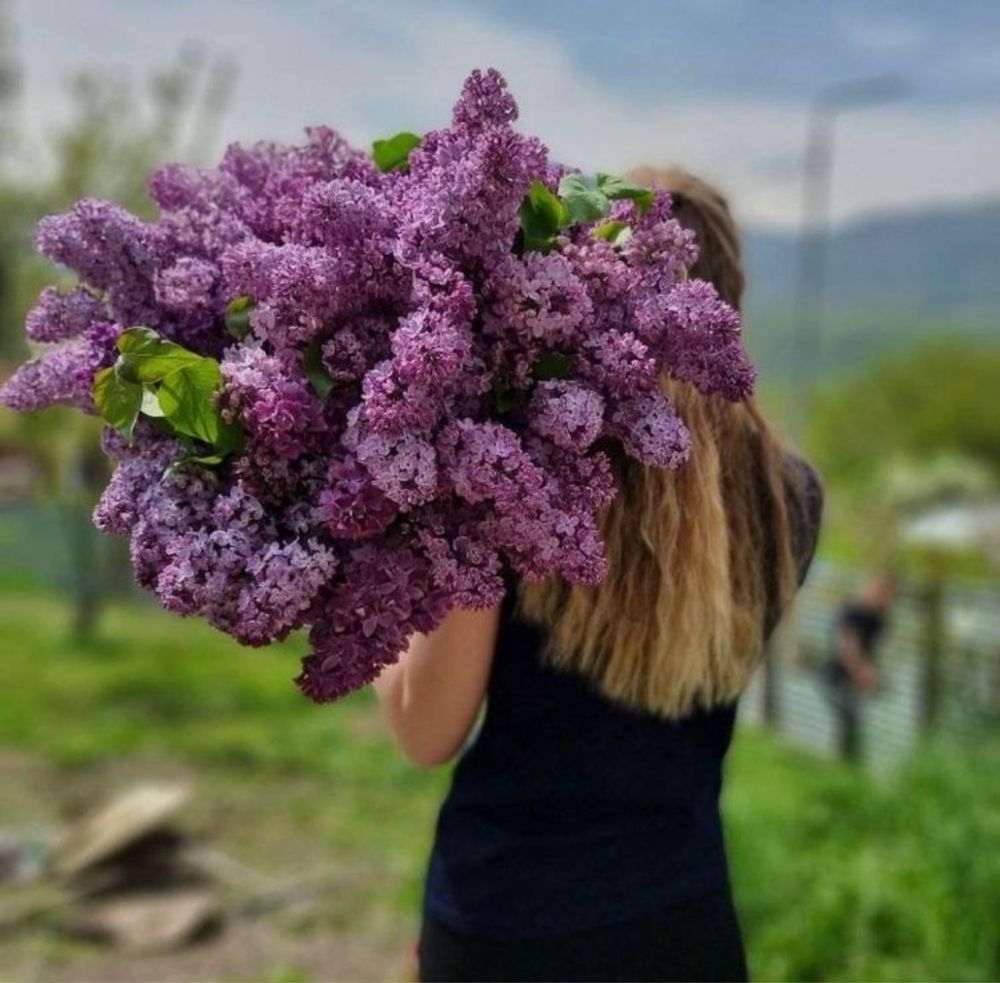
(882, 32)
(374, 68)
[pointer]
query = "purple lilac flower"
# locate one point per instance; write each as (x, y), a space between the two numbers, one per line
(382, 596)
(58, 316)
(619, 364)
(392, 407)
(189, 286)
(540, 299)
(111, 250)
(277, 409)
(403, 467)
(585, 481)
(182, 189)
(487, 462)
(697, 338)
(138, 473)
(351, 506)
(401, 455)
(243, 581)
(64, 374)
(466, 565)
(466, 182)
(275, 177)
(360, 344)
(568, 413)
(485, 101)
(297, 288)
(154, 508)
(650, 430)
(611, 285)
(661, 252)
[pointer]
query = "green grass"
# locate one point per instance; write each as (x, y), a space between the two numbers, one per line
(837, 875)
(840, 876)
(163, 688)
(154, 683)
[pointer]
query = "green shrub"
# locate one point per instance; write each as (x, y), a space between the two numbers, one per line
(842, 876)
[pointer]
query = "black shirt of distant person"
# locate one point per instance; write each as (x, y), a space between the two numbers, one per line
(852, 670)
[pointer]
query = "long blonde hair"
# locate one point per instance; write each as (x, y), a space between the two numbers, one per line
(700, 559)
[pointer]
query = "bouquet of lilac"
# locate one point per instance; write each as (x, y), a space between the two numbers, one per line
(348, 392)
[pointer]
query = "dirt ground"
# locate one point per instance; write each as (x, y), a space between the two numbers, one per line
(344, 915)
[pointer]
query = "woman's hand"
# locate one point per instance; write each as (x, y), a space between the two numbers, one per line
(432, 695)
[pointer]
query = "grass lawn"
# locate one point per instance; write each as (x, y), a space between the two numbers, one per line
(836, 877)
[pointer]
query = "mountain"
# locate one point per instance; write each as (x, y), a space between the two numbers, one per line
(892, 280)
(944, 260)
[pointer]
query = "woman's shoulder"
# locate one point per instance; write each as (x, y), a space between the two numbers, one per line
(804, 506)
(804, 486)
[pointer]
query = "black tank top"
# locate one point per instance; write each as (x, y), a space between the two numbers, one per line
(568, 811)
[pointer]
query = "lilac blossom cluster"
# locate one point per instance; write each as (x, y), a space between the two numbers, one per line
(404, 452)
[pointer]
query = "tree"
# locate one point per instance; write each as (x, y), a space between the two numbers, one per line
(12, 205)
(940, 398)
(114, 138)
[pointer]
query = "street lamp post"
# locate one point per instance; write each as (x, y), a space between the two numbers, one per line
(807, 336)
(817, 173)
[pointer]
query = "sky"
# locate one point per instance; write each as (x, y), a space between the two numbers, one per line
(723, 87)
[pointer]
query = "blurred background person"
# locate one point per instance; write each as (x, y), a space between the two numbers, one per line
(851, 671)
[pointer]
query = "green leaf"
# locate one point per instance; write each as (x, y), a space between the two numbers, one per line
(117, 400)
(187, 398)
(394, 152)
(542, 215)
(316, 372)
(584, 202)
(160, 425)
(616, 187)
(237, 316)
(135, 339)
(150, 404)
(146, 357)
(552, 365)
(504, 400)
(504, 396)
(230, 439)
(207, 459)
(551, 212)
(190, 456)
(613, 231)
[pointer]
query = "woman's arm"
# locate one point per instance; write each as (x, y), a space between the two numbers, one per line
(431, 696)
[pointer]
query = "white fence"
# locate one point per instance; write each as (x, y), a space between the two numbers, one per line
(938, 674)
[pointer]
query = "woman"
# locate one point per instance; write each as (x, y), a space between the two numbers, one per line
(581, 837)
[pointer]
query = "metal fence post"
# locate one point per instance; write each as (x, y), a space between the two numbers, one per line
(931, 599)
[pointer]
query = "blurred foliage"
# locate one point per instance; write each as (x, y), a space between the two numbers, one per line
(853, 337)
(912, 483)
(10, 79)
(837, 875)
(155, 682)
(840, 876)
(940, 397)
(113, 137)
